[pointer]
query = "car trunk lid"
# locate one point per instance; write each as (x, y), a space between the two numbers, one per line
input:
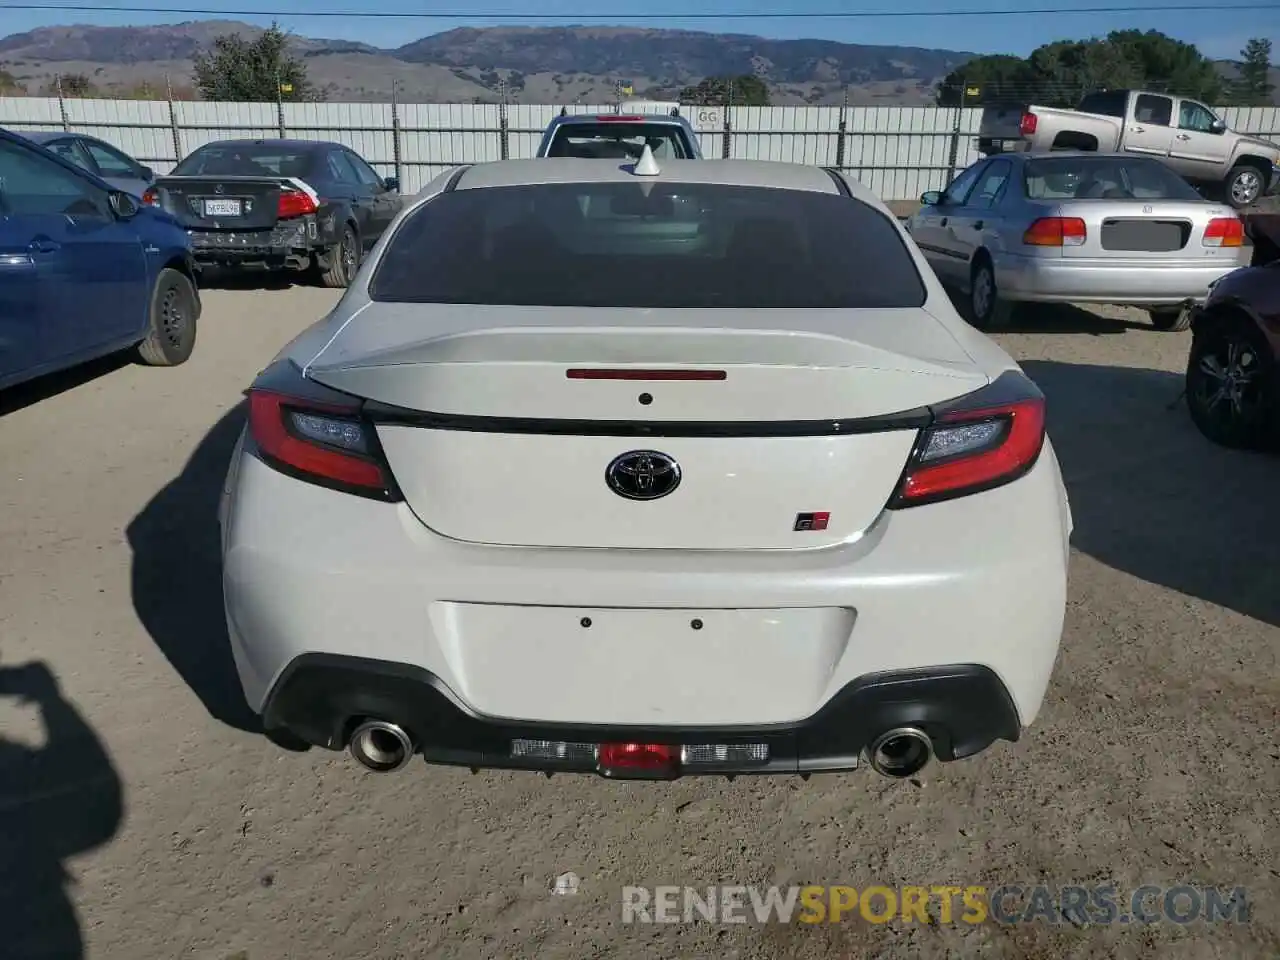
(225, 203)
(757, 436)
(1141, 230)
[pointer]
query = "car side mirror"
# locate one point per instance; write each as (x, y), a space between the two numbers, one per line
(392, 184)
(123, 205)
(1218, 126)
(931, 198)
(147, 174)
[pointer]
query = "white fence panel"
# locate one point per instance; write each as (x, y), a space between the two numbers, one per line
(30, 113)
(141, 128)
(364, 127)
(437, 136)
(788, 134)
(201, 123)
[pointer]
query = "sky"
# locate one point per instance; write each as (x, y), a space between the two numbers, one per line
(1219, 33)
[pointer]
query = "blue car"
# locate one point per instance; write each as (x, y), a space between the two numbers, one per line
(99, 158)
(85, 270)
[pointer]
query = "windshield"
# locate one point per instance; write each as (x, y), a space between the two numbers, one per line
(618, 140)
(1104, 178)
(650, 246)
(250, 160)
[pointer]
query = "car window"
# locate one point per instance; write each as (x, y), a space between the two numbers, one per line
(32, 185)
(991, 186)
(1154, 110)
(618, 140)
(246, 160)
(340, 168)
(1103, 178)
(366, 173)
(111, 163)
(958, 192)
(1109, 103)
(1195, 116)
(69, 150)
(648, 245)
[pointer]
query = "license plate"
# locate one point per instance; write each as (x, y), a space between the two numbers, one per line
(222, 208)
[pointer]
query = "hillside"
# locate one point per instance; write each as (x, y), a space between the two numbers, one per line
(539, 64)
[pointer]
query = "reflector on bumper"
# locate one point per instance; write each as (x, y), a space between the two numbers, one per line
(640, 759)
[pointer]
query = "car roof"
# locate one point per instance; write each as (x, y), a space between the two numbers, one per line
(1027, 157)
(613, 118)
(741, 173)
(44, 136)
(300, 145)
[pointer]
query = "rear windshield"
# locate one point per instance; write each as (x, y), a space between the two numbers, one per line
(619, 140)
(648, 245)
(1104, 178)
(254, 160)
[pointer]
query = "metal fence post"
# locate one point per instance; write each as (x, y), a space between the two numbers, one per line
(396, 154)
(841, 130)
(173, 121)
(62, 104)
(954, 156)
(280, 109)
(728, 126)
(504, 127)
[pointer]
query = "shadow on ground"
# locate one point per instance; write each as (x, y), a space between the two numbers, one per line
(177, 575)
(1059, 318)
(50, 385)
(57, 801)
(1155, 499)
(213, 278)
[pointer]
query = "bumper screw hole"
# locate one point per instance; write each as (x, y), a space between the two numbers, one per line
(585, 621)
(646, 399)
(696, 624)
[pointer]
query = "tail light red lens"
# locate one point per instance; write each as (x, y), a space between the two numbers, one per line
(1028, 124)
(1056, 232)
(294, 203)
(151, 197)
(322, 441)
(654, 758)
(979, 442)
(1224, 232)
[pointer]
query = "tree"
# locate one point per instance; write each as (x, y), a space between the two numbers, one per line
(1253, 88)
(744, 91)
(74, 85)
(988, 80)
(10, 86)
(255, 71)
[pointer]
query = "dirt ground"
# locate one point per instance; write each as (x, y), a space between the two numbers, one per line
(144, 817)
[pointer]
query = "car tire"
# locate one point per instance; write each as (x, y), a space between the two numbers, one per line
(986, 310)
(1221, 356)
(1170, 319)
(344, 260)
(1244, 185)
(171, 328)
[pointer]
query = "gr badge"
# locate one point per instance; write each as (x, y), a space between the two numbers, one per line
(811, 521)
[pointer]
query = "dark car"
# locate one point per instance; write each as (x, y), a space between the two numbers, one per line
(85, 270)
(620, 136)
(298, 205)
(101, 159)
(1233, 372)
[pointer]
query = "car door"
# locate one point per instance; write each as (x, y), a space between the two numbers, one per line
(119, 170)
(1197, 152)
(1149, 130)
(89, 266)
(979, 218)
(344, 184)
(931, 227)
(386, 203)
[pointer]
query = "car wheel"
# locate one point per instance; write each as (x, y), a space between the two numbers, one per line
(1243, 186)
(171, 329)
(1231, 386)
(1170, 319)
(986, 310)
(344, 260)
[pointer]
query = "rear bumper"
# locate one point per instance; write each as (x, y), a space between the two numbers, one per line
(963, 708)
(288, 244)
(1137, 283)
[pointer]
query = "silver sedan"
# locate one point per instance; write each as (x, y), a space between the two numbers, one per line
(1077, 228)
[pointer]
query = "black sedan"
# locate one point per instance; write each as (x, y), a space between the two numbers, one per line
(298, 205)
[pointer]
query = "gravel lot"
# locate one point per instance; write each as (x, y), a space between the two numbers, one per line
(184, 833)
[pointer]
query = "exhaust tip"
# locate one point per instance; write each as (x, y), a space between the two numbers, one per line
(381, 746)
(900, 752)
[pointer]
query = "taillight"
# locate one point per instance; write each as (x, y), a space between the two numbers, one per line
(294, 203)
(1028, 124)
(1224, 232)
(981, 441)
(151, 197)
(1056, 232)
(639, 759)
(315, 434)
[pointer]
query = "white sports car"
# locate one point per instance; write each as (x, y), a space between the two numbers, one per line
(645, 471)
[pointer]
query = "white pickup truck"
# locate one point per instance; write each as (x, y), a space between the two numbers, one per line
(1186, 135)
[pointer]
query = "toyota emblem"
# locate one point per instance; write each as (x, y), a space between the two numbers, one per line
(643, 475)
